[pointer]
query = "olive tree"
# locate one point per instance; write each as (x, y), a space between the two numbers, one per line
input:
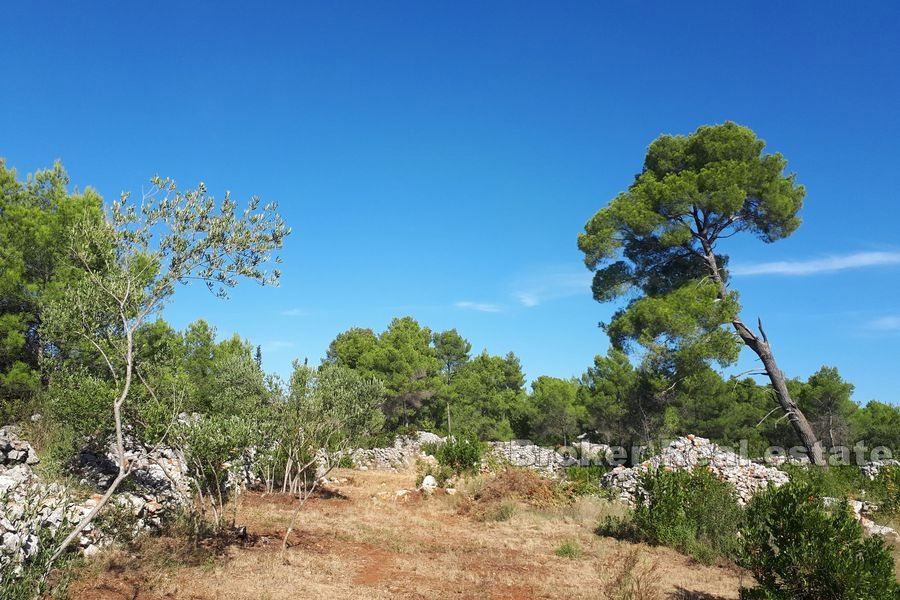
(130, 261)
(660, 240)
(326, 411)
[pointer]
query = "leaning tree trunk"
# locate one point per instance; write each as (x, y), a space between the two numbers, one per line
(761, 347)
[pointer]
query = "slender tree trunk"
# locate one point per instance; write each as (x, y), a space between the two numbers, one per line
(761, 347)
(124, 468)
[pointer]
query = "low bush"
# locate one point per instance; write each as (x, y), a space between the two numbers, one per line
(692, 511)
(213, 447)
(799, 550)
(462, 455)
(497, 497)
(621, 528)
(835, 481)
(849, 482)
(631, 578)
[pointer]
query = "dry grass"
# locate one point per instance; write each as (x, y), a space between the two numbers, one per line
(366, 541)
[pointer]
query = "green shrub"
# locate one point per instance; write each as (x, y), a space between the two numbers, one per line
(798, 550)
(585, 480)
(568, 549)
(849, 482)
(886, 490)
(78, 407)
(213, 447)
(691, 511)
(835, 481)
(461, 455)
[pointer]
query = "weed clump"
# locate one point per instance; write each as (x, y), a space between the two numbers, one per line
(568, 549)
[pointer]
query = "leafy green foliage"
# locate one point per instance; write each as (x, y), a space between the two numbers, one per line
(432, 383)
(452, 350)
(555, 416)
(798, 550)
(442, 474)
(693, 191)
(691, 511)
(885, 490)
(825, 399)
(460, 455)
(487, 398)
(213, 447)
(402, 357)
(325, 410)
(878, 424)
(78, 401)
(657, 245)
(849, 482)
(35, 217)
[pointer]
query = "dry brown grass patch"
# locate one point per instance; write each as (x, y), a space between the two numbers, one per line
(519, 484)
(372, 543)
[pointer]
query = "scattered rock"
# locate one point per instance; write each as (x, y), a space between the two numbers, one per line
(429, 484)
(872, 469)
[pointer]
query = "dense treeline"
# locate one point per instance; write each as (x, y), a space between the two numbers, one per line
(431, 380)
(431, 375)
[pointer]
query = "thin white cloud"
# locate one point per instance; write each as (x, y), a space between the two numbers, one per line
(551, 283)
(485, 307)
(527, 298)
(890, 323)
(294, 312)
(831, 264)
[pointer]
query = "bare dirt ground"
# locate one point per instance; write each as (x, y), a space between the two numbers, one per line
(359, 539)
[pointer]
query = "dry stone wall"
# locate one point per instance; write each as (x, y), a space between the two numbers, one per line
(29, 506)
(692, 452)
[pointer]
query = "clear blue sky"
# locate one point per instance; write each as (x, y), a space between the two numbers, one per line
(438, 159)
